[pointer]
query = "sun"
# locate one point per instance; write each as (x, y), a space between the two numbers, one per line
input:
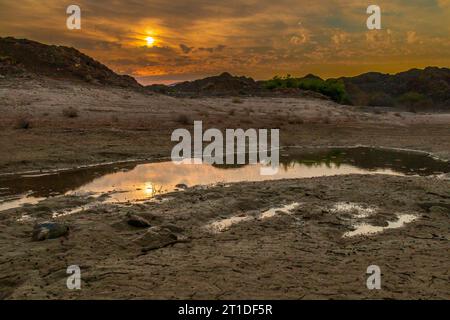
(150, 41)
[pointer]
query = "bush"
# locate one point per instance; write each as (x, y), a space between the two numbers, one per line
(22, 123)
(70, 112)
(415, 101)
(183, 119)
(381, 99)
(334, 89)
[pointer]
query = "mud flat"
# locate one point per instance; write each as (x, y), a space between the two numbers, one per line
(301, 251)
(292, 238)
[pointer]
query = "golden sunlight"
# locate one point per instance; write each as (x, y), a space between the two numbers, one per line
(149, 188)
(150, 41)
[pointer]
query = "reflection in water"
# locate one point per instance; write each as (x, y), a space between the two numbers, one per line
(20, 200)
(131, 182)
(133, 185)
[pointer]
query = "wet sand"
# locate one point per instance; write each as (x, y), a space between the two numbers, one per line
(299, 254)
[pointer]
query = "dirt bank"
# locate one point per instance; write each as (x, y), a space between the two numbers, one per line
(111, 124)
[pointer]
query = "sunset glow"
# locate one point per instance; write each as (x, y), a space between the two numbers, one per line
(157, 41)
(150, 41)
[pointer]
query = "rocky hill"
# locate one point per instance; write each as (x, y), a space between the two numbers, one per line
(21, 56)
(226, 84)
(223, 84)
(414, 89)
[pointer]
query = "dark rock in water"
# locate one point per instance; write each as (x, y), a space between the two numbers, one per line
(49, 230)
(137, 221)
(181, 186)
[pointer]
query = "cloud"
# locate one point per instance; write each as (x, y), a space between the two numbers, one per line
(258, 38)
(411, 37)
(444, 3)
(185, 48)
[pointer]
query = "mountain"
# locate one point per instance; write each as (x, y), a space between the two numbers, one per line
(223, 84)
(21, 56)
(415, 89)
(226, 84)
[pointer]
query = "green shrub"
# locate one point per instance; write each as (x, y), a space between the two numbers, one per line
(411, 97)
(334, 89)
(414, 101)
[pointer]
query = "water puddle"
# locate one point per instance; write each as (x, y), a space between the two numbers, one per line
(18, 201)
(126, 182)
(367, 229)
(225, 224)
(356, 209)
(275, 211)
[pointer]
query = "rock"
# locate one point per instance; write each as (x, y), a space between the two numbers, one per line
(49, 230)
(181, 186)
(137, 221)
(156, 238)
(172, 228)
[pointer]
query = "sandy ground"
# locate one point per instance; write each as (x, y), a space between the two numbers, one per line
(298, 255)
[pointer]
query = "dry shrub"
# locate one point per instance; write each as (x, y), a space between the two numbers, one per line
(22, 123)
(70, 112)
(183, 119)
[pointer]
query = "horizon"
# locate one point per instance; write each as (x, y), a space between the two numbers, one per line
(158, 42)
(169, 82)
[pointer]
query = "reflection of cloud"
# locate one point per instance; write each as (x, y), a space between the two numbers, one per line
(259, 38)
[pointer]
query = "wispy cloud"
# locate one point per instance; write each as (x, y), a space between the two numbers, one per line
(257, 38)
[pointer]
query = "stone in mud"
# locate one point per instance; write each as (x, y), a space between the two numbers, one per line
(137, 221)
(49, 230)
(172, 228)
(156, 238)
(249, 203)
(428, 205)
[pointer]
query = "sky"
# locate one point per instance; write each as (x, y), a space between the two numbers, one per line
(257, 38)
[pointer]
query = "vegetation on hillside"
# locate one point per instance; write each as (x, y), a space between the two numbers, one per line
(332, 88)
